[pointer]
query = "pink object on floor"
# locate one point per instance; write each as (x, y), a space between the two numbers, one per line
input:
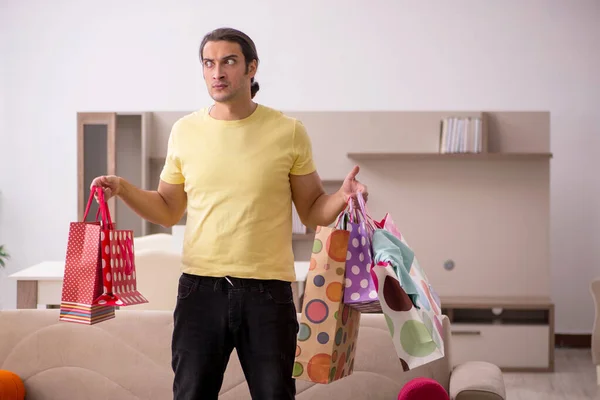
(421, 389)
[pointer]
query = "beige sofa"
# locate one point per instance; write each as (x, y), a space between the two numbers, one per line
(129, 358)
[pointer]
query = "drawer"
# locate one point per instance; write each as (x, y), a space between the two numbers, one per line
(507, 346)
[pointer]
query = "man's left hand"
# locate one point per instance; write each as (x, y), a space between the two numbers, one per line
(351, 187)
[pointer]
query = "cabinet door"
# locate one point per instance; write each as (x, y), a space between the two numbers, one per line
(95, 156)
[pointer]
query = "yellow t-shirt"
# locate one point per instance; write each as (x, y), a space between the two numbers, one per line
(236, 176)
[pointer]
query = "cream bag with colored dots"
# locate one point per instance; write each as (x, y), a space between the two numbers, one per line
(412, 308)
(328, 332)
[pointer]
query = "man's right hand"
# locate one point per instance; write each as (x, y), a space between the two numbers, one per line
(111, 185)
(164, 206)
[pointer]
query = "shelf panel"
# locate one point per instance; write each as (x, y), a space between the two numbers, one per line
(449, 156)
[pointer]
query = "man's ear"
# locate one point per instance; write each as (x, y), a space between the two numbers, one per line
(252, 67)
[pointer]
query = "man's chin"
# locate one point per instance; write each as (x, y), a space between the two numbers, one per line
(221, 98)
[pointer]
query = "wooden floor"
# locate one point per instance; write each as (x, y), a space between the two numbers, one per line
(574, 379)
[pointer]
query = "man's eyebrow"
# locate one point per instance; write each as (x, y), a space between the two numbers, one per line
(224, 58)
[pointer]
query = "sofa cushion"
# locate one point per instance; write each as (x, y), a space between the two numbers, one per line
(477, 380)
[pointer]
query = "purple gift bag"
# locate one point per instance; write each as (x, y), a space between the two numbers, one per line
(359, 290)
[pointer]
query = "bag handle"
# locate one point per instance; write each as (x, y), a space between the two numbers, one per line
(343, 213)
(102, 206)
(89, 204)
(353, 212)
(363, 210)
(127, 255)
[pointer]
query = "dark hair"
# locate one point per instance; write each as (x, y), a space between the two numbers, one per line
(235, 36)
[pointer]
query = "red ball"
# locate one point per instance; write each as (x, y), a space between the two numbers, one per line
(423, 388)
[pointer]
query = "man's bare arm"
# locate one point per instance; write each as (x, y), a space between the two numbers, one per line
(314, 206)
(164, 206)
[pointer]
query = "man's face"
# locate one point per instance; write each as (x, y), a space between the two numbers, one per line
(224, 69)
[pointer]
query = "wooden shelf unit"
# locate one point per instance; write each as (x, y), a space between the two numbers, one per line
(470, 211)
(484, 215)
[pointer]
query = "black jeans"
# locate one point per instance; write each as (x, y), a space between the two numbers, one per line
(214, 316)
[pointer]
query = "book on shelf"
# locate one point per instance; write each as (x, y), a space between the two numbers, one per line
(297, 225)
(462, 135)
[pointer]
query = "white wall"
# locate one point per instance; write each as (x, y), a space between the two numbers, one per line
(61, 57)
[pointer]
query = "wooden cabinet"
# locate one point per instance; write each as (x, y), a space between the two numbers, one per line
(95, 155)
(113, 144)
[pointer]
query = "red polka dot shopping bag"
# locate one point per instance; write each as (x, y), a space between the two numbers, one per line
(411, 307)
(99, 268)
(328, 332)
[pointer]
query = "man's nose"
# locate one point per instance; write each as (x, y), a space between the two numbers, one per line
(218, 72)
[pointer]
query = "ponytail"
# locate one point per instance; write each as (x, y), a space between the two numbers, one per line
(254, 87)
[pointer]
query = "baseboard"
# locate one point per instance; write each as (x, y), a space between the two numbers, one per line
(578, 341)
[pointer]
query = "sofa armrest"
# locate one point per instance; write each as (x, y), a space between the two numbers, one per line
(477, 380)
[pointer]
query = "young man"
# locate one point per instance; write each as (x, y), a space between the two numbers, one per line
(236, 166)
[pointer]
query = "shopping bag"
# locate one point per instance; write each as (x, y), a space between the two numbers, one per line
(413, 316)
(418, 273)
(99, 269)
(388, 224)
(328, 331)
(83, 281)
(118, 263)
(360, 292)
(121, 282)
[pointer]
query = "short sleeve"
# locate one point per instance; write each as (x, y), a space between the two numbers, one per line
(171, 172)
(302, 150)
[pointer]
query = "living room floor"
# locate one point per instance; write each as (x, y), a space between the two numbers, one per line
(574, 379)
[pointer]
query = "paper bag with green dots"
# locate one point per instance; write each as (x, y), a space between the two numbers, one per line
(328, 328)
(411, 310)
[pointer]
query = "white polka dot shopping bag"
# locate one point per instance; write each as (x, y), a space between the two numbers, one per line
(328, 333)
(411, 307)
(99, 269)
